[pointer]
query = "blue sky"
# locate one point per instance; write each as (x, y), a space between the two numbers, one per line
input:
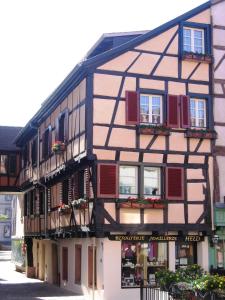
(42, 40)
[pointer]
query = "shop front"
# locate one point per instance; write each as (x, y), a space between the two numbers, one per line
(143, 255)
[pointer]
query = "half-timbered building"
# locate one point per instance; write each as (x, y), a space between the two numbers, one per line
(117, 166)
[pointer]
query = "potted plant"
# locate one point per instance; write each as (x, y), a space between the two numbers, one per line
(64, 209)
(201, 133)
(58, 147)
(140, 203)
(154, 129)
(193, 56)
(80, 203)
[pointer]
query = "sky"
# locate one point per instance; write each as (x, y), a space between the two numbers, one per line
(42, 40)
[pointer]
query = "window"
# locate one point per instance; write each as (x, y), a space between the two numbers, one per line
(140, 261)
(151, 109)
(34, 152)
(198, 112)
(46, 143)
(62, 127)
(3, 164)
(65, 191)
(8, 164)
(78, 251)
(193, 40)
(128, 183)
(151, 181)
(7, 231)
(41, 202)
(65, 263)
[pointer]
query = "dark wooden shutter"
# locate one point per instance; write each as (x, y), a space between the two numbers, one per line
(173, 112)
(65, 263)
(25, 207)
(87, 183)
(57, 129)
(90, 266)
(43, 146)
(107, 180)
(66, 126)
(75, 186)
(175, 183)
(132, 108)
(49, 140)
(12, 165)
(185, 111)
(65, 191)
(78, 259)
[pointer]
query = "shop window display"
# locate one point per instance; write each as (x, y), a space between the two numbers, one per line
(141, 261)
(186, 254)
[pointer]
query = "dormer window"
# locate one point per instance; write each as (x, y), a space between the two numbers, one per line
(193, 40)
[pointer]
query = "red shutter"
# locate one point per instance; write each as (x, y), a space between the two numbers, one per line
(107, 180)
(65, 263)
(78, 257)
(173, 118)
(185, 111)
(132, 108)
(175, 183)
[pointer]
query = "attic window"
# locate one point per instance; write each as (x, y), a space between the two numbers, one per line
(193, 40)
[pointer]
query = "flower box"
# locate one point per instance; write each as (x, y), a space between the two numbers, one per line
(80, 203)
(190, 56)
(140, 203)
(58, 147)
(154, 130)
(64, 209)
(200, 134)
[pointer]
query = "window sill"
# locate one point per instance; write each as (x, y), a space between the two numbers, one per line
(201, 134)
(154, 130)
(190, 56)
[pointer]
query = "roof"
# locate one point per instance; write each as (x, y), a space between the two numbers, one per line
(7, 136)
(109, 41)
(95, 57)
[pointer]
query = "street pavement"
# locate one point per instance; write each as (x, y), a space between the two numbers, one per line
(16, 286)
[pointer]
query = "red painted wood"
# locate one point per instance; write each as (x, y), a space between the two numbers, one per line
(107, 180)
(132, 108)
(175, 183)
(173, 112)
(185, 111)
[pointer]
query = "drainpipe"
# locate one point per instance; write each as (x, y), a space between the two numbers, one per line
(93, 273)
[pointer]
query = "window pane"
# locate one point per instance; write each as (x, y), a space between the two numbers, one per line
(3, 164)
(155, 101)
(187, 32)
(128, 180)
(151, 181)
(198, 34)
(138, 262)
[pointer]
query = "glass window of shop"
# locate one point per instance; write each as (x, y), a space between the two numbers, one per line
(186, 254)
(141, 261)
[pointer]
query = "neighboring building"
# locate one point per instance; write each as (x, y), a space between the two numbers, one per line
(9, 179)
(5, 222)
(217, 252)
(117, 167)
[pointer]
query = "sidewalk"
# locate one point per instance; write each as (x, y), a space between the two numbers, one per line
(16, 286)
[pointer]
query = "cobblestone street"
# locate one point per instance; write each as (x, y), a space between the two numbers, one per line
(16, 286)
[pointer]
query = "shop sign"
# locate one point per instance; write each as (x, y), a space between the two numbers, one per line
(156, 238)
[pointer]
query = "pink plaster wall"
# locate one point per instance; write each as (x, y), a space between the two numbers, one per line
(129, 156)
(152, 84)
(195, 192)
(129, 85)
(167, 67)
(111, 209)
(178, 142)
(203, 17)
(202, 73)
(176, 88)
(153, 216)
(187, 68)
(194, 159)
(144, 64)
(153, 158)
(99, 135)
(194, 174)
(120, 63)
(198, 88)
(122, 138)
(194, 212)
(120, 114)
(172, 158)
(107, 85)
(103, 110)
(159, 43)
(176, 213)
(129, 216)
(104, 154)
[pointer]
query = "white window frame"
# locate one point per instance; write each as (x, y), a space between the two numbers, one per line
(150, 96)
(136, 181)
(193, 39)
(196, 100)
(158, 195)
